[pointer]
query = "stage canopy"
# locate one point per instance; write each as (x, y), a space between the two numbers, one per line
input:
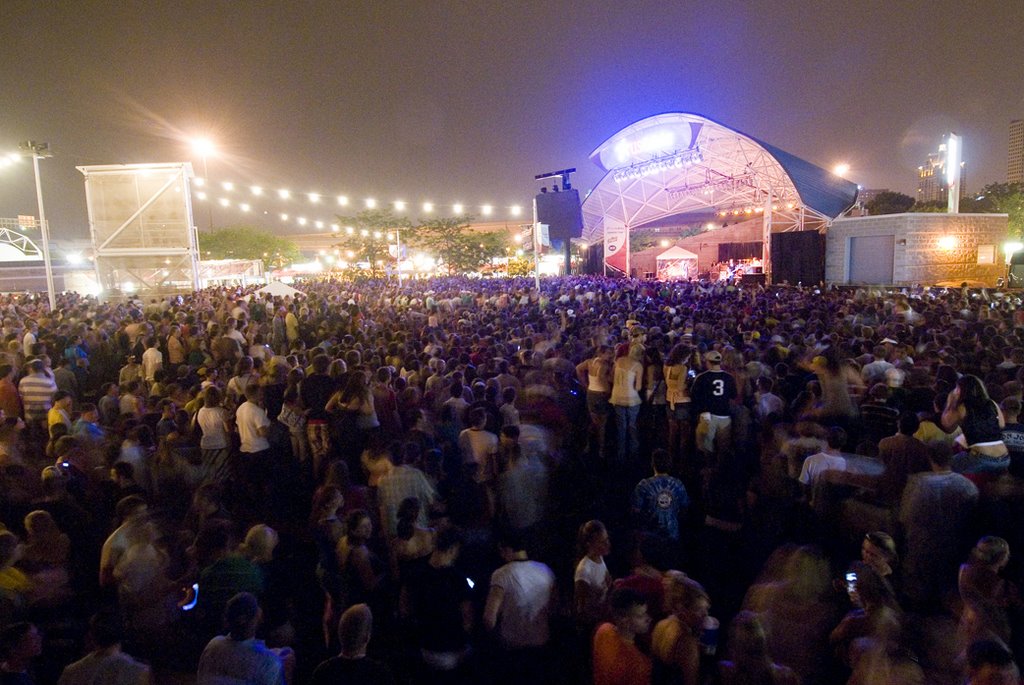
(689, 167)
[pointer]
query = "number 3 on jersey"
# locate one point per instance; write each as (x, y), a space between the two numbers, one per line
(719, 388)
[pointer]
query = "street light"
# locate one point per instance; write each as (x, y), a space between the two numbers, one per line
(37, 151)
(204, 147)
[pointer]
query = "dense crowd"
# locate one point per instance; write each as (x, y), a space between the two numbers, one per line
(460, 480)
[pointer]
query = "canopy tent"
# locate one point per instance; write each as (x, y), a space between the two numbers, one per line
(279, 289)
(676, 263)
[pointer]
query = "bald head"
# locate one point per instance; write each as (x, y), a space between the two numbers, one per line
(354, 630)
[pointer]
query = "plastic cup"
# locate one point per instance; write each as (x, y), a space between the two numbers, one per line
(709, 636)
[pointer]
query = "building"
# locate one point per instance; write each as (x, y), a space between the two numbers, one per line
(917, 247)
(1015, 165)
(931, 177)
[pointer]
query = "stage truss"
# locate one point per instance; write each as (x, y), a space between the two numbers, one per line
(720, 173)
(143, 238)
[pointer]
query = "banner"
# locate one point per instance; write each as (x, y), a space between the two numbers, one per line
(616, 245)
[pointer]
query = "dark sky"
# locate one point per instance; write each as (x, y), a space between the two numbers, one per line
(466, 101)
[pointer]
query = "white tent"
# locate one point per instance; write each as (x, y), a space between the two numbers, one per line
(279, 289)
(676, 262)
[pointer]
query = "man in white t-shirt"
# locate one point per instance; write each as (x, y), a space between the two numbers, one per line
(152, 360)
(256, 460)
(518, 607)
(828, 460)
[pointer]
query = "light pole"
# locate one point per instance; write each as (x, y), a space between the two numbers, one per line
(37, 151)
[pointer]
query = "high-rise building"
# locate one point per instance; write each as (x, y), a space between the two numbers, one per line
(1015, 166)
(931, 177)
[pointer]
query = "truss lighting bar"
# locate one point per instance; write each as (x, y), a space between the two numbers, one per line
(732, 183)
(654, 166)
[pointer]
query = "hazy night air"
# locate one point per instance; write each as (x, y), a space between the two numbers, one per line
(465, 102)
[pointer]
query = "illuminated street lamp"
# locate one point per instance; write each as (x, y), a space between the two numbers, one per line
(841, 169)
(37, 151)
(204, 147)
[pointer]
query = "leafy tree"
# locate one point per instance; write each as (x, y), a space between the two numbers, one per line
(520, 266)
(369, 236)
(932, 207)
(449, 239)
(1003, 198)
(890, 202)
(248, 242)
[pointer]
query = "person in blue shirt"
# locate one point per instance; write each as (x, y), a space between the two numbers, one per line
(659, 502)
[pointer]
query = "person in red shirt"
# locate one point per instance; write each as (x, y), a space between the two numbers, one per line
(617, 660)
(10, 400)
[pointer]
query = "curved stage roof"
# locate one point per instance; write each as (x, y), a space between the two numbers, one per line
(678, 163)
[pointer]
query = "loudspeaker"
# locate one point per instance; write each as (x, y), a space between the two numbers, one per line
(752, 279)
(562, 213)
(798, 257)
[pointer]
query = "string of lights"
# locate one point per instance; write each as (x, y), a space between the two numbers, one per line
(313, 210)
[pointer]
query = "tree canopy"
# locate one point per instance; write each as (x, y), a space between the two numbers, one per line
(449, 239)
(1003, 198)
(248, 242)
(368, 239)
(890, 202)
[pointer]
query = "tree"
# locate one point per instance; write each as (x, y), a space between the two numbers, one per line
(890, 202)
(931, 207)
(248, 242)
(1004, 198)
(366, 234)
(450, 239)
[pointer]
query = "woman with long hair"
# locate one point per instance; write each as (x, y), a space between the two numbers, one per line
(627, 380)
(356, 416)
(676, 372)
(984, 454)
(750, 663)
(596, 374)
(361, 570)
(215, 444)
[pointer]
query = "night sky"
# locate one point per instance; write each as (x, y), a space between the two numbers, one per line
(466, 101)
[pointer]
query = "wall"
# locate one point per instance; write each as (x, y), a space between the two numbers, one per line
(918, 256)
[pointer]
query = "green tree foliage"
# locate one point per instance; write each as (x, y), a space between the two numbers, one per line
(1003, 198)
(890, 202)
(932, 207)
(248, 242)
(369, 237)
(462, 250)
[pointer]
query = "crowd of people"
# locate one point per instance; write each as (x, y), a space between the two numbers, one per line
(459, 480)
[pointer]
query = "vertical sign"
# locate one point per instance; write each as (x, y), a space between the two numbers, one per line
(616, 245)
(954, 155)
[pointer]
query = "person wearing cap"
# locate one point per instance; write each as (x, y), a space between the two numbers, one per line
(239, 656)
(713, 393)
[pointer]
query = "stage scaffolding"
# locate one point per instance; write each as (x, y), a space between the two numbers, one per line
(143, 238)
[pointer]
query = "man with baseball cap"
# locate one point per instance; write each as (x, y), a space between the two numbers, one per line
(713, 392)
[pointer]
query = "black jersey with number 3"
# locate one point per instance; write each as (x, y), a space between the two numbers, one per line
(713, 391)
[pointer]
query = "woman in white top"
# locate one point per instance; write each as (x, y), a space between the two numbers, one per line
(592, 581)
(596, 375)
(627, 379)
(212, 420)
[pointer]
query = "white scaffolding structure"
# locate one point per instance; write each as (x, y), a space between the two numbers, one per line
(143, 238)
(678, 164)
